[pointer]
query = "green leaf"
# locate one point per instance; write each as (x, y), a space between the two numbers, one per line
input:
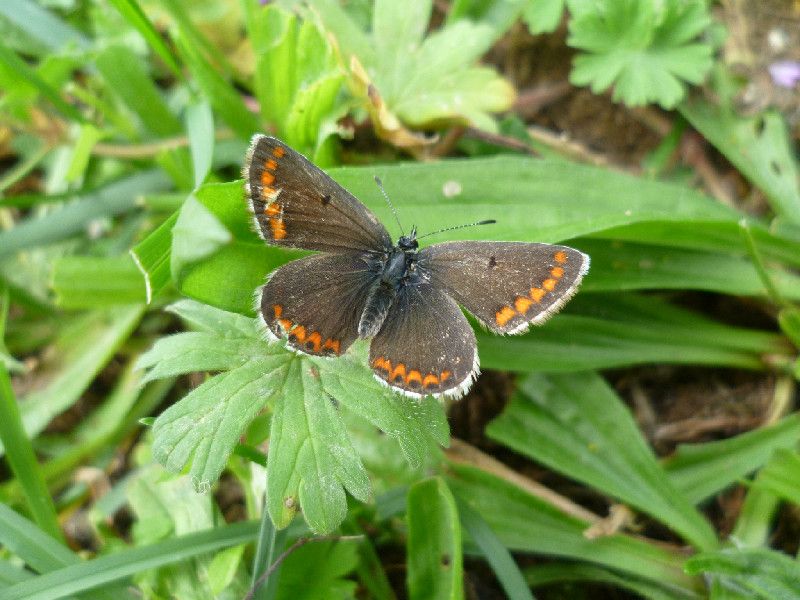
(197, 234)
(435, 568)
(312, 460)
(500, 559)
(760, 147)
(225, 99)
(152, 257)
(318, 570)
(126, 77)
(646, 54)
(700, 470)
(765, 573)
(42, 25)
(112, 199)
(781, 476)
(91, 574)
(543, 16)
(526, 523)
(578, 426)
(297, 79)
(612, 330)
(200, 127)
(22, 460)
(421, 80)
(95, 282)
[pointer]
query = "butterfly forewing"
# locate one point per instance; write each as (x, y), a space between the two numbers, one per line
(426, 345)
(316, 302)
(295, 204)
(508, 286)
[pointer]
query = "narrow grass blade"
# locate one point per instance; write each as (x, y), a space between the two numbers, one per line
(22, 460)
(91, 574)
(500, 559)
(97, 282)
(42, 25)
(152, 258)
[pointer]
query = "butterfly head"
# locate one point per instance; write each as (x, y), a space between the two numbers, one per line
(409, 243)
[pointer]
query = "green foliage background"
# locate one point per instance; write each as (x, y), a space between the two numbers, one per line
(132, 265)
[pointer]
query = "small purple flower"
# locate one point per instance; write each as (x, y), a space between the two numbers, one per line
(785, 73)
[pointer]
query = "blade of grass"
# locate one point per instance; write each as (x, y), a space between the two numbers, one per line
(88, 575)
(152, 257)
(42, 25)
(500, 559)
(110, 200)
(15, 63)
(22, 460)
(97, 282)
(133, 13)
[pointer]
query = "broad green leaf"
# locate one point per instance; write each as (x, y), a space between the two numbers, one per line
(197, 234)
(207, 423)
(612, 330)
(435, 567)
(578, 426)
(543, 16)
(297, 79)
(526, 523)
(420, 81)
(311, 459)
(700, 470)
(95, 282)
(319, 569)
(152, 257)
(646, 53)
(83, 348)
(764, 573)
(760, 147)
(570, 573)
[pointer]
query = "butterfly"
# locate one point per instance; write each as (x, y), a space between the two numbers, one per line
(404, 298)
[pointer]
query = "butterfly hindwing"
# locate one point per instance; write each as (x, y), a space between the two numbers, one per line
(426, 345)
(296, 204)
(508, 286)
(316, 302)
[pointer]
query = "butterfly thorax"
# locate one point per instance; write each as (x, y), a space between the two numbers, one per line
(397, 267)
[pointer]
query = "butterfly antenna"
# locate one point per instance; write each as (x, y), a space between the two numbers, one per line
(486, 222)
(389, 202)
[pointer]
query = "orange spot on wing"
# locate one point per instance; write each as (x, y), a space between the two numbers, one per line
(414, 375)
(271, 164)
(537, 294)
(286, 324)
(445, 376)
(315, 339)
(277, 309)
(267, 178)
(561, 257)
(522, 304)
(278, 228)
(430, 380)
(504, 315)
(549, 284)
(272, 210)
(331, 344)
(382, 363)
(278, 152)
(398, 371)
(299, 332)
(557, 272)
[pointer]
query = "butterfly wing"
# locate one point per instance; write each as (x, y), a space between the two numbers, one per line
(316, 302)
(508, 286)
(295, 204)
(426, 345)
